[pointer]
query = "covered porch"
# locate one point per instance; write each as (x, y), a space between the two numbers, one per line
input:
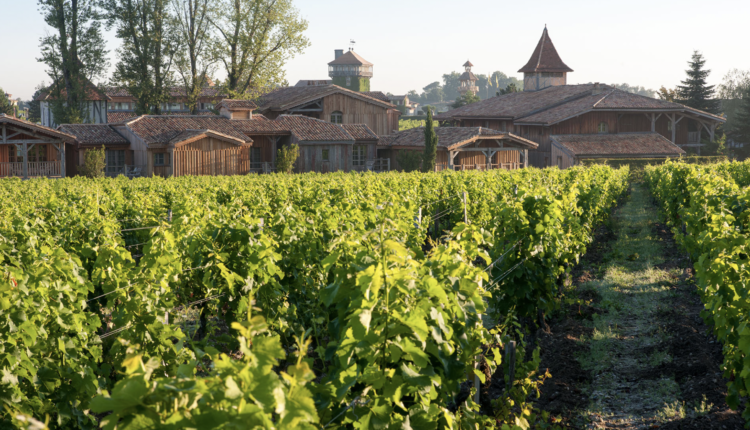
(29, 150)
(488, 150)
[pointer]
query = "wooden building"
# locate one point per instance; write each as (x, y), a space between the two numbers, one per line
(333, 104)
(548, 107)
(461, 148)
(121, 104)
(94, 108)
(31, 150)
(234, 143)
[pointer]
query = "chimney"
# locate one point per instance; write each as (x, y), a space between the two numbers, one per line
(338, 53)
(597, 89)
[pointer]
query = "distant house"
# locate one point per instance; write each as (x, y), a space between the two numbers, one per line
(94, 106)
(549, 107)
(333, 104)
(411, 108)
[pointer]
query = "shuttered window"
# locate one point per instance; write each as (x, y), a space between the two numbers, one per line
(359, 155)
(161, 159)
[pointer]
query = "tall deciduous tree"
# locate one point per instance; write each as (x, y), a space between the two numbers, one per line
(740, 132)
(255, 38)
(193, 21)
(74, 54)
(430, 145)
(732, 92)
(667, 94)
(147, 52)
(695, 91)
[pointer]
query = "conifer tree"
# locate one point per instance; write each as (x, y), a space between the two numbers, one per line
(430, 145)
(694, 91)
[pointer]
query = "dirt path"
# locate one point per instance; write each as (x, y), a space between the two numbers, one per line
(641, 354)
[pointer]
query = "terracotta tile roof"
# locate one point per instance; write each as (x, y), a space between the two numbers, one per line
(259, 117)
(160, 129)
(232, 104)
(21, 123)
(360, 131)
(173, 92)
(545, 58)
(610, 99)
(468, 64)
(350, 58)
(116, 117)
(377, 95)
(398, 97)
(93, 93)
(449, 137)
(617, 145)
(515, 105)
(312, 129)
(289, 97)
(94, 134)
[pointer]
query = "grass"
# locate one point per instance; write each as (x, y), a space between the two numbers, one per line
(626, 346)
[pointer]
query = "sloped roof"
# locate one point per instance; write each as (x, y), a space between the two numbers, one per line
(515, 105)
(467, 76)
(312, 82)
(159, 129)
(468, 64)
(312, 129)
(93, 93)
(350, 58)
(21, 123)
(452, 137)
(377, 95)
(119, 117)
(94, 134)
(545, 58)
(232, 104)
(360, 131)
(614, 145)
(290, 97)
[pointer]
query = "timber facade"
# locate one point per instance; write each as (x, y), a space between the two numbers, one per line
(548, 107)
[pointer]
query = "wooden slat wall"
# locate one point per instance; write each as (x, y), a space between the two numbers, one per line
(311, 158)
(560, 158)
(359, 112)
(209, 157)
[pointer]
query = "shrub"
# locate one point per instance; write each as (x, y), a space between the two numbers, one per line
(94, 163)
(409, 161)
(286, 158)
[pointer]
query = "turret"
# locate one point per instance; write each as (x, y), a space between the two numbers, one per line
(468, 80)
(349, 70)
(545, 67)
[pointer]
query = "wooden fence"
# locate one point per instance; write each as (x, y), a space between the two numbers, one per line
(35, 168)
(231, 161)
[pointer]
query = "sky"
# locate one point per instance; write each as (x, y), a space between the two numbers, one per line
(413, 43)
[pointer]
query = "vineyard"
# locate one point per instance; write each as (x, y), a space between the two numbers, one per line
(313, 301)
(708, 208)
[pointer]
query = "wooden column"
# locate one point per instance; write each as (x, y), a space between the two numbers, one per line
(62, 159)
(172, 162)
(25, 153)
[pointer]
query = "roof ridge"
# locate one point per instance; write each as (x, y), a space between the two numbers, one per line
(605, 96)
(541, 44)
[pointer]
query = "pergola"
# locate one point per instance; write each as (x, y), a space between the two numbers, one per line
(24, 136)
(490, 144)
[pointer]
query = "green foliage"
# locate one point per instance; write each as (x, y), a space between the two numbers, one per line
(94, 163)
(286, 158)
(428, 108)
(5, 106)
(355, 83)
(707, 209)
(511, 88)
(638, 164)
(740, 131)
(668, 94)
(430, 144)
(465, 99)
(694, 91)
(407, 124)
(409, 160)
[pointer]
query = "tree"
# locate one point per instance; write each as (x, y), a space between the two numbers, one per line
(694, 91)
(192, 21)
(255, 39)
(740, 131)
(148, 49)
(430, 145)
(74, 55)
(427, 108)
(667, 94)
(5, 106)
(511, 88)
(465, 99)
(286, 157)
(35, 110)
(635, 89)
(94, 163)
(731, 92)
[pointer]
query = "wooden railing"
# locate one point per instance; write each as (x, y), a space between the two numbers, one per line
(507, 166)
(694, 137)
(34, 168)
(374, 165)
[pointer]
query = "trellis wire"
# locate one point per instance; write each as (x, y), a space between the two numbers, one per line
(502, 257)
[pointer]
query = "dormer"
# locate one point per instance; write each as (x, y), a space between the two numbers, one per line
(236, 109)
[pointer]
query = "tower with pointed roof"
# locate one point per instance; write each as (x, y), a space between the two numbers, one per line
(545, 67)
(468, 80)
(350, 70)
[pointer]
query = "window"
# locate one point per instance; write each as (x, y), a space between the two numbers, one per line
(603, 128)
(161, 159)
(326, 155)
(114, 158)
(359, 155)
(36, 153)
(337, 117)
(559, 161)
(255, 156)
(348, 81)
